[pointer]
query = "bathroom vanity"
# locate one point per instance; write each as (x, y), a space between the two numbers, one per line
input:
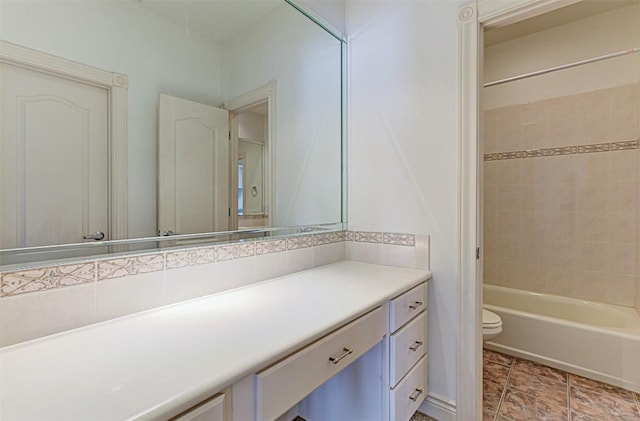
(255, 353)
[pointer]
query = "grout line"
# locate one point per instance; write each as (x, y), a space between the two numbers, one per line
(569, 381)
(504, 390)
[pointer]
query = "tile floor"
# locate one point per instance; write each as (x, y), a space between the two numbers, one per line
(517, 389)
(419, 416)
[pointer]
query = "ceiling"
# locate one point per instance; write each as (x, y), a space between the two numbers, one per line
(216, 20)
(558, 17)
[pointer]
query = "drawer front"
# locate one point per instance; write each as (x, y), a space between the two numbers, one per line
(281, 386)
(407, 305)
(209, 410)
(408, 345)
(409, 394)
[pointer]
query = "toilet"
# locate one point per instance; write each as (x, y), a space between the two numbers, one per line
(491, 325)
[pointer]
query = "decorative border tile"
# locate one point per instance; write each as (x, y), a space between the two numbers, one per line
(399, 239)
(367, 237)
(597, 147)
(565, 150)
(133, 265)
(20, 282)
(235, 251)
(327, 238)
(39, 279)
(532, 153)
(300, 242)
(192, 257)
(621, 146)
(271, 246)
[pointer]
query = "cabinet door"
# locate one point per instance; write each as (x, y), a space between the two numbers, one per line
(209, 410)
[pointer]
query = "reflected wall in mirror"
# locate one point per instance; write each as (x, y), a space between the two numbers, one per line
(58, 142)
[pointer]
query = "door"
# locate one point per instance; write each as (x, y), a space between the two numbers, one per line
(193, 167)
(53, 159)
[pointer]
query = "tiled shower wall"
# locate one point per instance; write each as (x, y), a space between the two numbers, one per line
(561, 196)
(45, 300)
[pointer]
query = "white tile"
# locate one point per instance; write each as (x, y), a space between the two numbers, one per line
(401, 256)
(29, 316)
(299, 259)
(270, 265)
(235, 273)
(363, 252)
(423, 256)
(328, 253)
(121, 296)
(190, 282)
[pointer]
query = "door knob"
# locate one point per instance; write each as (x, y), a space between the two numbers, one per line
(98, 235)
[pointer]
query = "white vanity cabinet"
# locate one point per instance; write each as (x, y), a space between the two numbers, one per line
(342, 341)
(326, 379)
(210, 410)
(407, 352)
(281, 386)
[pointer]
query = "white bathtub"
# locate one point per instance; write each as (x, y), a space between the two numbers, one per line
(599, 341)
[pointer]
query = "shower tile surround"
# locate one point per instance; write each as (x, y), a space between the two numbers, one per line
(39, 301)
(517, 389)
(562, 196)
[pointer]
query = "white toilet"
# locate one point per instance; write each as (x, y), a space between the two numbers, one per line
(491, 325)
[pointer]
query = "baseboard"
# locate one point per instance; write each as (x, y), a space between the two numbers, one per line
(439, 407)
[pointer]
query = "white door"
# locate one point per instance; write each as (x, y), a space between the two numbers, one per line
(193, 167)
(53, 157)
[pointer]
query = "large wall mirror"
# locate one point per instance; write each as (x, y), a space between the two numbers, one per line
(135, 119)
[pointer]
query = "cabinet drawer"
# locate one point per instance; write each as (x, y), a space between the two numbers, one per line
(281, 386)
(404, 307)
(209, 410)
(409, 394)
(408, 345)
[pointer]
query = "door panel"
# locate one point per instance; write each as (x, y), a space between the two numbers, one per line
(54, 159)
(193, 167)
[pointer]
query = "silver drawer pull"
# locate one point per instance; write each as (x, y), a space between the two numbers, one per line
(415, 305)
(416, 345)
(346, 352)
(415, 394)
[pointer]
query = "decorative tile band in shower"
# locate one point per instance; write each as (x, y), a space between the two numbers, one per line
(565, 150)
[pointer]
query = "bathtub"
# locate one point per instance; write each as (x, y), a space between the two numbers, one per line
(594, 340)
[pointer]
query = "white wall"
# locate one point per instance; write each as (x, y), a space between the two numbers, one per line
(597, 35)
(332, 11)
(402, 146)
(304, 61)
(123, 37)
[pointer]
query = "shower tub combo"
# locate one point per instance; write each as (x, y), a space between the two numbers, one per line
(594, 340)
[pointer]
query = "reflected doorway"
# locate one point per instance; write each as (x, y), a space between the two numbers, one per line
(251, 153)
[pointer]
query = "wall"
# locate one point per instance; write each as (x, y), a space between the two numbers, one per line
(305, 63)
(156, 55)
(403, 152)
(601, 34)
(561, 163)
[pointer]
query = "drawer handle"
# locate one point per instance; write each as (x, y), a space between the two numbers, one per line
(416, 345)
(415, 305)
(414, 396)
(346, 352)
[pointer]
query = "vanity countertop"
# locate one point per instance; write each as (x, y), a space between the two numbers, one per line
(143, 365)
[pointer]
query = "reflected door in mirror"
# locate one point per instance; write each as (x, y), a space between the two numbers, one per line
(53, 159)
(193, 167)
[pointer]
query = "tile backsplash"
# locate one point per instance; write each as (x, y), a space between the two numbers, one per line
(36, 302)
